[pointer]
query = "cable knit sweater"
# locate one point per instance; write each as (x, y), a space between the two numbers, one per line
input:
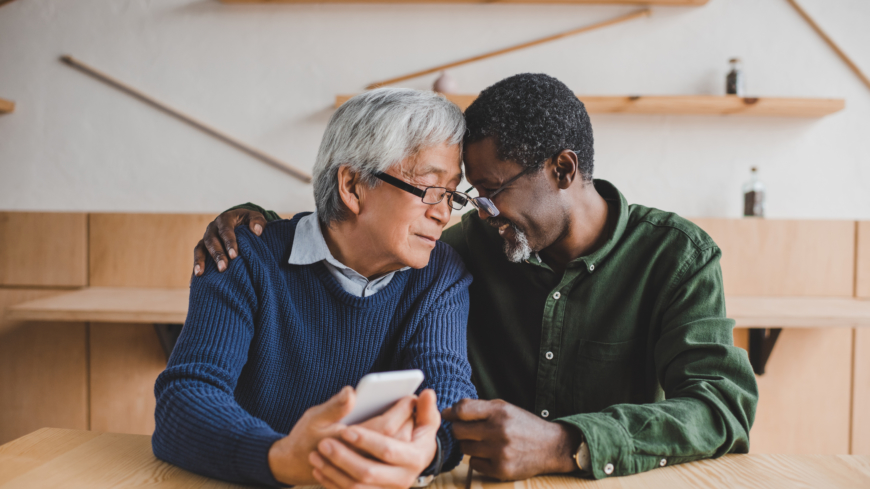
(266, 340)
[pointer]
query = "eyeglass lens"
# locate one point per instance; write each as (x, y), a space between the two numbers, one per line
(435, 195)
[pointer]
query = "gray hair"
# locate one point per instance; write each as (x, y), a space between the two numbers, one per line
(375, 130)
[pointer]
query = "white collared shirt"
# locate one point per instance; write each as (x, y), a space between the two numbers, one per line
(310, 247)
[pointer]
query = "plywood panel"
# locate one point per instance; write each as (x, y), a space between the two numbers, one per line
(125, 361)
(43, 249)
(862, 265)
(144, 250)
(804, 395)
(861, 394)
(43, 371)
(766, 257)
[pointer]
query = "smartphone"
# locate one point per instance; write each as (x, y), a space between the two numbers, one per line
(376, 393)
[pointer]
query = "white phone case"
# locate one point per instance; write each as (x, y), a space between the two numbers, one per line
(377, 392)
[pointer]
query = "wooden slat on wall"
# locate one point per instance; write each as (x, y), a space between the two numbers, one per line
(783, 257)
(43, 249)
(43, 371)
(862, 265)
(144, 250)
(861, 371)
(125, 361)
(861, 394)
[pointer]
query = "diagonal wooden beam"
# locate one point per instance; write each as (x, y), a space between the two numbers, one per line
(842, 54)
(623, 18)
(202, 126)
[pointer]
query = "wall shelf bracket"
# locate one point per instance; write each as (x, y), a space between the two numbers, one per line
(761, 341)
(168, 335)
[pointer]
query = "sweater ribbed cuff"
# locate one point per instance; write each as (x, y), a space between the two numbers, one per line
(251, 461)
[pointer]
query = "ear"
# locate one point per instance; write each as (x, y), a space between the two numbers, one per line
(350, 189)
(563, 168)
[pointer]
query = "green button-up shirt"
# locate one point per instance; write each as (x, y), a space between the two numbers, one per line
(630, 344)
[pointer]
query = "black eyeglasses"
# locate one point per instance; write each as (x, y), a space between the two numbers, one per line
(429, 195)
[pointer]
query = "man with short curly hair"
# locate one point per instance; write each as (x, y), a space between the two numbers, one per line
(597, 332)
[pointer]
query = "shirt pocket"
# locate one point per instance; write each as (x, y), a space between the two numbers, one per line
(608, 373)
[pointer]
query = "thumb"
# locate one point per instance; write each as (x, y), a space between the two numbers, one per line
(336, 408)
(428, 419)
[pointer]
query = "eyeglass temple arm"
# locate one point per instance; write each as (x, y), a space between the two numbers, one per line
(400, 184)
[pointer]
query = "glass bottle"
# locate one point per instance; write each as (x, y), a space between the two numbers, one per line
(734, 82)
(753, 196)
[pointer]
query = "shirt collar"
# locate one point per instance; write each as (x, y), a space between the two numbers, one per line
(308, 243)
(310, 247)
(615, 202)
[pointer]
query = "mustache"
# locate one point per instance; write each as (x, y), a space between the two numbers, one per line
(498, 222)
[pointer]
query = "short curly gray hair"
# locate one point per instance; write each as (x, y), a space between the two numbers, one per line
(375, 130)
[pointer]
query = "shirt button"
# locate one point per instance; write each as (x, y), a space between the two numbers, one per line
(591, 267)
(663, 463)
(549, 355)
(557, 295)
(608, 469)
(545, 413)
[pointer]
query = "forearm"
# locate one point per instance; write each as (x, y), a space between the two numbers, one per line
(199, 424)
(202, 429)
(636, 438)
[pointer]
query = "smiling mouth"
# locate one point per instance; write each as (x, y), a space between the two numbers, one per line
(428, 239)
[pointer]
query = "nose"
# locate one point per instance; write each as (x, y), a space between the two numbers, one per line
(440, 212)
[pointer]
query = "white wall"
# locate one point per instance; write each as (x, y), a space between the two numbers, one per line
(269, 74)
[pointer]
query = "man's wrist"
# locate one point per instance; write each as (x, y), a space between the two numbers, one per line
(565, 448)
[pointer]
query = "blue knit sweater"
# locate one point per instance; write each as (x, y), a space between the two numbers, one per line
(266, 340)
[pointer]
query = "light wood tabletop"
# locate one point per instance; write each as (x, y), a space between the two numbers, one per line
(55, 458)
(155, 305)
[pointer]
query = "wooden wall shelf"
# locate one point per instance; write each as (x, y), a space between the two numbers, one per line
(6, 106)
(689, 105)
(108, 305)
(676, 3)
(798, 312)
(169, 305)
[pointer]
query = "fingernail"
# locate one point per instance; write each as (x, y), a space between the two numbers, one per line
(258, 229)
(315, 459)
(326, 447)
(222, 266)
(232, 253)
(196, 270)
(350, 435)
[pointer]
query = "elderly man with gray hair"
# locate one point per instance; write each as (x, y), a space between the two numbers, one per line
(258, 383)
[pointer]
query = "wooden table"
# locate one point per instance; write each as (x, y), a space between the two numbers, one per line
(53, 457)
